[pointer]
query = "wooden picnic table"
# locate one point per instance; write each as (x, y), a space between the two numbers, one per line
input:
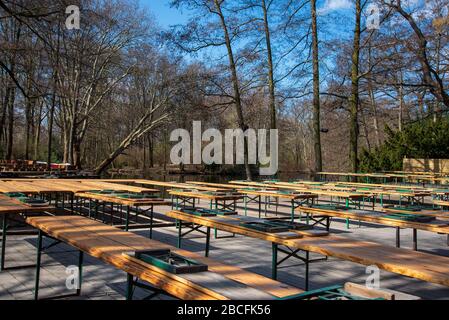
(112, 246)
(295, 198)
(8, 207)
(65, 186)
(177, 185)
(379, 217)
(97, 199)
(444, 215)
(419, 265)
(225, 200)
(218, 185)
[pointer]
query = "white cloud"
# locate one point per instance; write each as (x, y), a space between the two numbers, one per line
(332, 5)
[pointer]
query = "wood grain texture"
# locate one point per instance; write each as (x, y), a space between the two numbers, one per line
(419, 265)
(122, 201)
(110, 245)
(9, 205)
(439, 226)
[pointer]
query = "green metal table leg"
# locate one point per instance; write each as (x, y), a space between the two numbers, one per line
(127, 218)
(265, 206)
(129, 287)
(80, 272)
(71, 202)
(245, 201)
(306, 286)
(179, 233)
(293, 210)
(215, 229)
(207, 242)
(151, 221)
(38, 265)
(4, 230)
(274, 261)
(347, 220)
(415, 240)
(398, 237)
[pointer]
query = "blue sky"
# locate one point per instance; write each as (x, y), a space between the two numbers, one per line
(165, 15)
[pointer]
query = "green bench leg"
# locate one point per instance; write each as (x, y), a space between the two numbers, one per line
(129, 286)
(415, 239)
(274, 261)
(179, 233)
(206, 254)
(38, 265)
(398, 237)
(4, 230)
(127, 218)
(80, 272)
(151, 221)
(293, 210)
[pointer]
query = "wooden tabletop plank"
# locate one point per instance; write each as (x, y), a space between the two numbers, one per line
(127, 202)
(419, 265)
(9, 205)
(109, 243)
(178, 185)
(66, 185)
(220, 185)
(206, 195)
(279, 194)
(439, 226)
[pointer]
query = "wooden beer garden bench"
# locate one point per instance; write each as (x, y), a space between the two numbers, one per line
(397, 219)
(163, 269)
(419, 265)
(130, 201)
(12, 206)
(133, 254)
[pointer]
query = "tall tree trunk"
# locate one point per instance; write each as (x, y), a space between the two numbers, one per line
(3, 118)
(401, 107)
(28, 118)
(77, 153)
(365, 129)
(150, 150)
(235, 84)
(316, 91)
(354, 97)
(53, 101)
(10, 140)
(37, 134)
(271, 84)
(112, 156)
(50, 128)
(372, 99)
(144, 147)
(165, 148)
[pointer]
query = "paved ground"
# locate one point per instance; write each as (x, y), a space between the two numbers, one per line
(104, 282)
